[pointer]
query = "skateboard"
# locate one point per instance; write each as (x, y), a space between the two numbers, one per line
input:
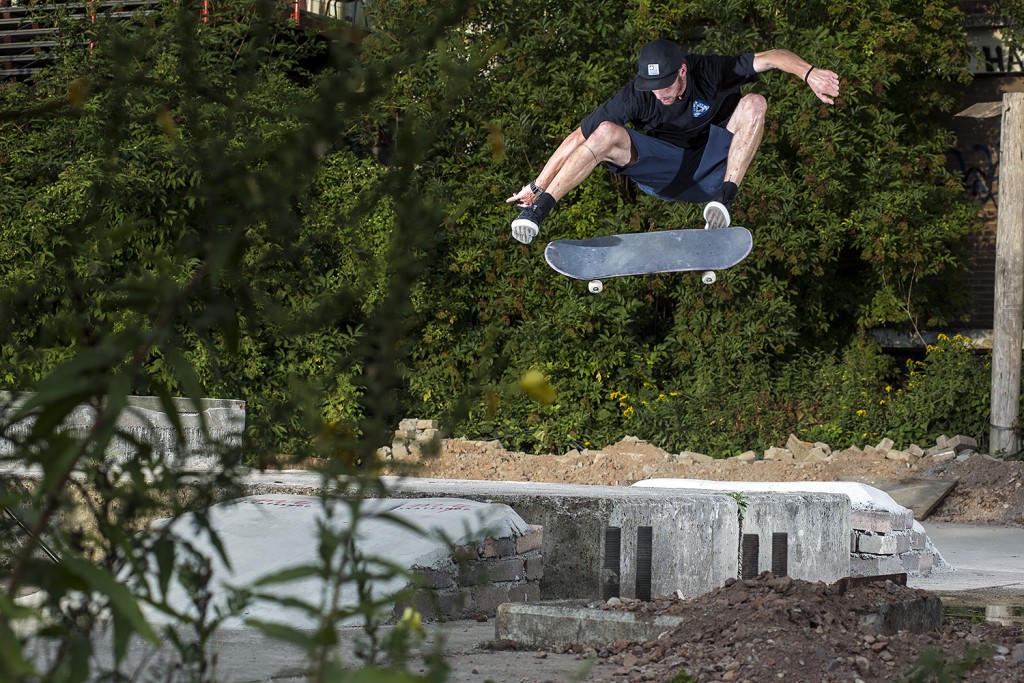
(646, 253)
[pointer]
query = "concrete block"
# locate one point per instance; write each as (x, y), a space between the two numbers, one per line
(885, 445)
(778, 454)
(817, 544)
(207, 427)
(960, 443)
(919, 615)
(695, 534)
(890, 544)
(408, 424)
(882, 521)
(875, 565)
(553, 625)
(428, 424)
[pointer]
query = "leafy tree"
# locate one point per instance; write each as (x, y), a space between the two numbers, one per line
(856, 221)
(191, 209)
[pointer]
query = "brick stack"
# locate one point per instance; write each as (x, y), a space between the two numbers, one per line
(888, 542)
(479, 577)
(411, 438)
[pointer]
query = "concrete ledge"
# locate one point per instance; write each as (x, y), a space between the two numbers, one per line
(206, 428)
(881, 535)
(691, 537)
(696, 535)
(555, 624)
(558, 624)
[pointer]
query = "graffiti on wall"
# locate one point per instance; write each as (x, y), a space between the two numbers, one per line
(978, 172)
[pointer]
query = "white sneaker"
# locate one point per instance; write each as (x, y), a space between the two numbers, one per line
(527, 225)
(716, 215)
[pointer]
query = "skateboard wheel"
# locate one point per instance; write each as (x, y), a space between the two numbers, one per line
(708, 277)
(595, 286)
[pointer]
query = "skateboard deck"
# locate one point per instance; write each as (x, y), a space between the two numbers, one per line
(644, 253)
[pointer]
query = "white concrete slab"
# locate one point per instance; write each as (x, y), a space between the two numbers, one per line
(266, 534)
(862, 496)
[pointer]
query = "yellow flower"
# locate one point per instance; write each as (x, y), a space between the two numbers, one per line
(862, 412)
(888, 389)
(628, 412)
(943, 337)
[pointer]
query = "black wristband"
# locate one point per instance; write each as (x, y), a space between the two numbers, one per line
(806, 75)
(536, 190)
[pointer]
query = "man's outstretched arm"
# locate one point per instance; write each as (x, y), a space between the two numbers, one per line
(824, 83)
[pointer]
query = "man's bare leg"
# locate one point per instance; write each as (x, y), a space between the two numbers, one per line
(747, 127)
(609, 142)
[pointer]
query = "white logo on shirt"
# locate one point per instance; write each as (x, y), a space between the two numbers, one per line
(700, 107)
(653, 70)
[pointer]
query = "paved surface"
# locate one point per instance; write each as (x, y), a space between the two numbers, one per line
(988, 562)
(989, 570)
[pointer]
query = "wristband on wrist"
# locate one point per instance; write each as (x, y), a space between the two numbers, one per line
(536, 190)
(806, 75)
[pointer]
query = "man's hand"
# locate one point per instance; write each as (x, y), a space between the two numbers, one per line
(824, 84)
(524, 197)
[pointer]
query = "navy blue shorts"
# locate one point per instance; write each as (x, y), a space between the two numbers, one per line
(676, 174)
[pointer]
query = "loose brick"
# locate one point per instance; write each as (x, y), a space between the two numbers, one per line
(534, 568)
(875, 565)
(533, 539)
(529, 592)
(512, 569)
(435, 578)
(485, 599)
(892, 544)
(498, 547)
(881, 521)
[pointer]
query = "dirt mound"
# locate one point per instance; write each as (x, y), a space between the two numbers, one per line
(777, 627)
(988, 490)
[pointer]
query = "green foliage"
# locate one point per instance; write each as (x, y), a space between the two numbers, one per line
(856, 221)
(855, 397)
(935, 666)
(191, 210)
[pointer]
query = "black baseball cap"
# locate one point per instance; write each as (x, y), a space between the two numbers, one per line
(660, 61)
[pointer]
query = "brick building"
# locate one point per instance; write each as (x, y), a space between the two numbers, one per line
(997, 70)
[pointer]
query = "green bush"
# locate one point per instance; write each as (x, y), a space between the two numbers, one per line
(846, 237)
(856, 221)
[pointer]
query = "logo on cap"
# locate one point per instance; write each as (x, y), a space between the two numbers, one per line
(653, 70)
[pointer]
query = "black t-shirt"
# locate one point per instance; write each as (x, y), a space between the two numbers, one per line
(712, 92)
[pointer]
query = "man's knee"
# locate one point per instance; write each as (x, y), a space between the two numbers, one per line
(607, 136)
(752, 108)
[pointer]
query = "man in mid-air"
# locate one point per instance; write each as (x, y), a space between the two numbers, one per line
(691, 134)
